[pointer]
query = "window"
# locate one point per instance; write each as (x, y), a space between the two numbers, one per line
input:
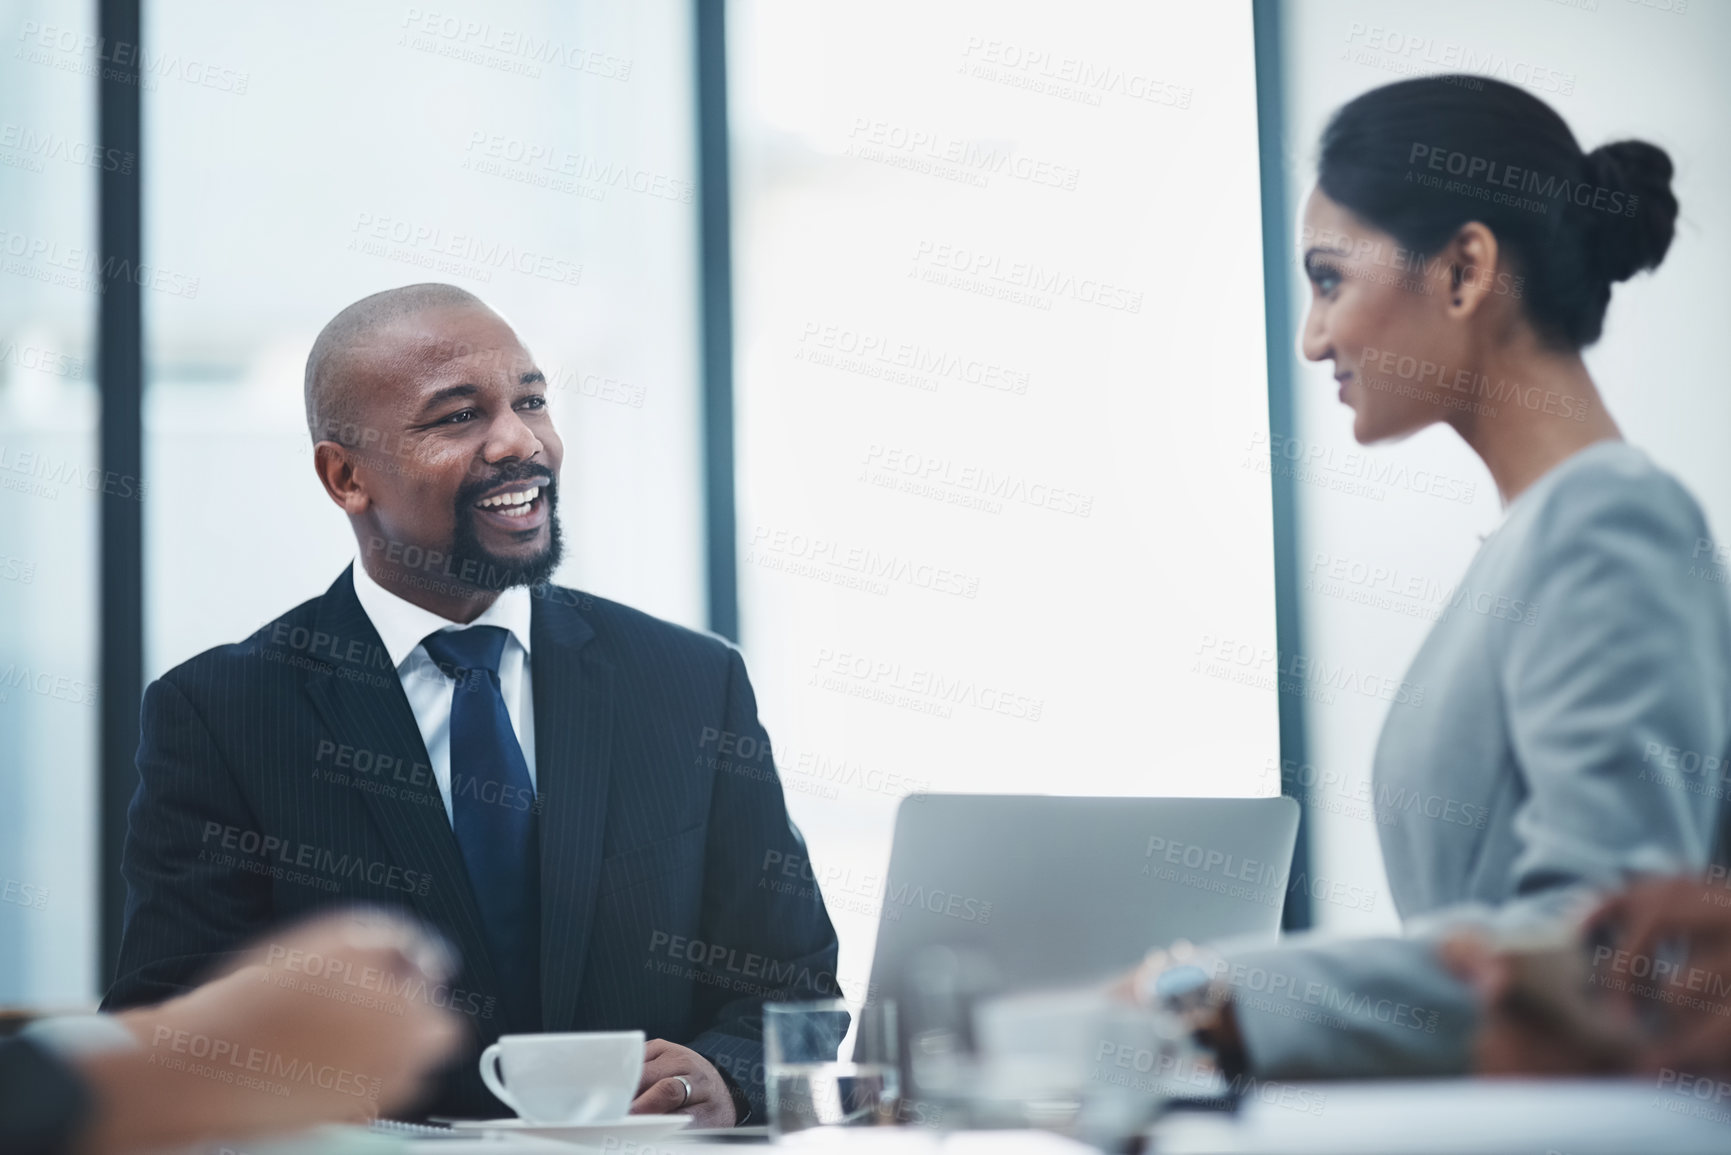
(1004, 507)
(51, 481)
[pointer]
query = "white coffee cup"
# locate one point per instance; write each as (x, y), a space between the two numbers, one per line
(583, 1077)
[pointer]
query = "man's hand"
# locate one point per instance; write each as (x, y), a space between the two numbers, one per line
(659, 1093)
(329, 1021)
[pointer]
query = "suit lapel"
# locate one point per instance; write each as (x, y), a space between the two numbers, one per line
(573, 746)
(365, 708)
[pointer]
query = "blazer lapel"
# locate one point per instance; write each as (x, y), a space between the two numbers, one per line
(573, 745)
(363, 703)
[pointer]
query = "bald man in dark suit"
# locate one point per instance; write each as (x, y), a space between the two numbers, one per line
(549, 778)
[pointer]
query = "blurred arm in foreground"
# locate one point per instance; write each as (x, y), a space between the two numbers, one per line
(322, 1023)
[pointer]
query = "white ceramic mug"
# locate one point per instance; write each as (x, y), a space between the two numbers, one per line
(584, 1077)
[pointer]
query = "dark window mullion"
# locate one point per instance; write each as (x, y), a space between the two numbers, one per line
(1276, 250)
(715, 277)
(120, 377)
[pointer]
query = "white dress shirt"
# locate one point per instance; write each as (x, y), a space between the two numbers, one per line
(402, 624)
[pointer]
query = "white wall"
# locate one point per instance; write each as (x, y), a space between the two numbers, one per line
(1613, 69)
(897, 166)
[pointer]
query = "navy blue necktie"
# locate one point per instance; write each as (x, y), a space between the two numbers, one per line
(493, 813)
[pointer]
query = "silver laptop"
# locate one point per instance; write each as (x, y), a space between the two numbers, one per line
(1058, 890)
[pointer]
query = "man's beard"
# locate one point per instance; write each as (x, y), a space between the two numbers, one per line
(485, 569)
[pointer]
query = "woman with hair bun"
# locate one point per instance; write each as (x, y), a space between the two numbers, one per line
(1461, 249)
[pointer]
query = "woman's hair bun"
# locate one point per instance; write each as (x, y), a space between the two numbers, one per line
(1621, 243)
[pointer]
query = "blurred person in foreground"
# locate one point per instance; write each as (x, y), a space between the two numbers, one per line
(579, 796)
(275, 1044)
(1461, 248)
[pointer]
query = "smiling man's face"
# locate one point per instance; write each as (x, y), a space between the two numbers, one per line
(449, 469)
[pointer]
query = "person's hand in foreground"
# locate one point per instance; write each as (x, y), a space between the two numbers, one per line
(330, 1021)
(1519, 1034)
(1671, 968)
(660, 1092)
(1654, 995)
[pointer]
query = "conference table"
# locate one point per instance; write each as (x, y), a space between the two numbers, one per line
(1441, 1117)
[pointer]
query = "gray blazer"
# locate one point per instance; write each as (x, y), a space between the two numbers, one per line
(1572, 731)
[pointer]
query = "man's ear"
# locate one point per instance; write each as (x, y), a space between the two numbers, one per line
(335, 465)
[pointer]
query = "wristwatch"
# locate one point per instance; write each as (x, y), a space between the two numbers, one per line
(1185, 981)
(1180, 979)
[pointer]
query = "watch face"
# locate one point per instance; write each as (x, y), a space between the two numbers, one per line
(1179, 981)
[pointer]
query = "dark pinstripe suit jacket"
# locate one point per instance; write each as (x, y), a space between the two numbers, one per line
(286, 774)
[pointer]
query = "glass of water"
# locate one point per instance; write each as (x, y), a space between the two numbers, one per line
(812, 1082)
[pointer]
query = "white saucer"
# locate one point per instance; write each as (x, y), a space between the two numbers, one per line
(638, 1127)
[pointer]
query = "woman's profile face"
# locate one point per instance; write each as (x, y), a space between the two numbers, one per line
(1377, 311)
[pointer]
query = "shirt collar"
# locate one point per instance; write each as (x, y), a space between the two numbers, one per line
(402, 624)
